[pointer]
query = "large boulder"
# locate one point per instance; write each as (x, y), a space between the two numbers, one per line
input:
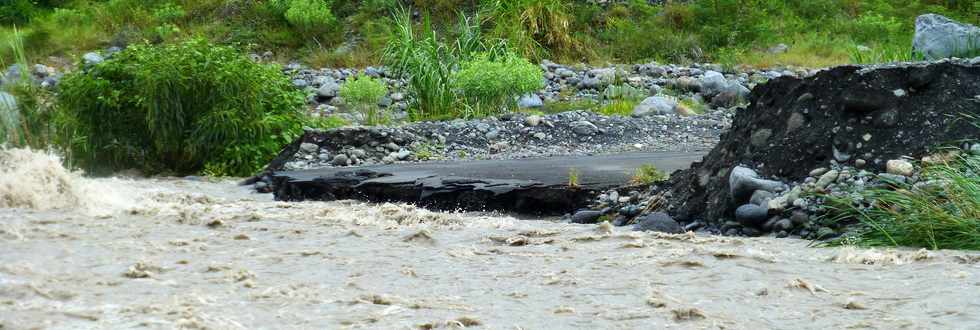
(328, 89)
(939, 37)
(656, 105)
(712, 83)
(530, 101)
(847, 115)
(659, 222)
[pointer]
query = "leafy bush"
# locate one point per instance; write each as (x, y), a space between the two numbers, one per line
(942, 214)
(181, 108)
(364, 93)
(491, 84)
(311, 17)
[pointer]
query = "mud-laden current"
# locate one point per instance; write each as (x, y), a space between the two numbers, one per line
(174, 253)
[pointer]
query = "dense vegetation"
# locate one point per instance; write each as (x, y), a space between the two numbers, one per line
(819, 32)
(183, 107)
(942, 214)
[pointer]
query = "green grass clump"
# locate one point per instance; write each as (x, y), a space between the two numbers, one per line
(944, 213)
(570, 105)
(461, 75)
(26, 109)
(618, 108)
(490, 85)
(648, 174)
(364, 93)
(311, 17)
(179, 108)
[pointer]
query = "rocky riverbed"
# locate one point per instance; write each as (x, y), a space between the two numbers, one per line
(178, 253)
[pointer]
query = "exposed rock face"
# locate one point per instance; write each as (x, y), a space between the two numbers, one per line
(847, 115)
(939, 37)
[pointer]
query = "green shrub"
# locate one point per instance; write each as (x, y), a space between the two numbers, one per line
(180, 108)
(491, 84)
(944, 213)
(364, 93)
(169, 13)
(311, 17)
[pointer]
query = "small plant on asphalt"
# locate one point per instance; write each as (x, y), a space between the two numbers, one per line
(943, 213)
(364, 93)
(648, 174)
(573, 177)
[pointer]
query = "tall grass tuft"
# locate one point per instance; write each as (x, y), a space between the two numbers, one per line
(430, 62)
(943, 213)
(25, 108)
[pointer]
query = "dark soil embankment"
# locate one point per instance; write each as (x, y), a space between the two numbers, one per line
(853, 116)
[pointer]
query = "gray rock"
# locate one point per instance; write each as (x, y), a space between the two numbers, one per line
(328, 89)
(687, 84)
(656, 105)
(713, 83)
(975, 149)
(938, 37)
(40, 70)
(583, 127)
(799, 218)
(92, 59)
(533, 120)
(743, 182)
(761, 197)
(751, 215)
(732, 95)
(300, 83)
(659, 222)
(403, 154)
(589, 83)
(899, 167)
(309, 148)
(586, 217)
(827, 178)
(340, 160)
(530, 101)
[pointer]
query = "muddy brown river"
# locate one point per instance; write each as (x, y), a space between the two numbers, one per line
(80, 253)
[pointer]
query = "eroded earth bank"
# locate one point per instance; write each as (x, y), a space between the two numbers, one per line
(118, 253)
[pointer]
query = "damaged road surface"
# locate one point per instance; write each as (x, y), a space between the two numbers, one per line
(529, 186)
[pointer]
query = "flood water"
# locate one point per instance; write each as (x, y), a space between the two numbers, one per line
(79, 253)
